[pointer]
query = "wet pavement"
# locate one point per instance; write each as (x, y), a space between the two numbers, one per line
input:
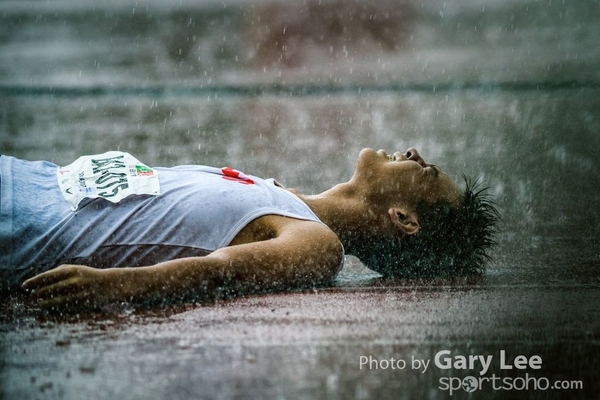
(509, 91)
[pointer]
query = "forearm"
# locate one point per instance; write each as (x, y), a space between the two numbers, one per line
(174, 279)
(283, 263)
(229, 271)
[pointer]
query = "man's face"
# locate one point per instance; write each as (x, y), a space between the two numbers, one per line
(402, 179)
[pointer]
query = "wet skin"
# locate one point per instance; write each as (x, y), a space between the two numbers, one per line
(272, 252)
(392, 186)
(404, 177)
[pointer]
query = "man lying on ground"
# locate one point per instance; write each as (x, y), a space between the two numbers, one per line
(107, 228)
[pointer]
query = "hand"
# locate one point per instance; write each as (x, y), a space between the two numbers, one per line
(73, 287)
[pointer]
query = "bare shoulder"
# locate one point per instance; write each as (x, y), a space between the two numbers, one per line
(276, 226)
(311, 232)
(295, 252)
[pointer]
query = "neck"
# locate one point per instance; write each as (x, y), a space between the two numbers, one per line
(342, 209)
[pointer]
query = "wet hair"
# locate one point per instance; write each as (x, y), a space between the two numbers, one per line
(452, 241)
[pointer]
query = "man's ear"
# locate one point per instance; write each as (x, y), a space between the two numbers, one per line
(405, 220)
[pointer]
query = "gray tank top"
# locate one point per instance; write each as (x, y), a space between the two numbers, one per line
(200, 209)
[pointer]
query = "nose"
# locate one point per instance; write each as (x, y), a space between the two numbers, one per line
(410, 154)
(413, 154)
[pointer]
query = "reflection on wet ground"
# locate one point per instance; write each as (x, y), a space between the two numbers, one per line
(305, 345)
(507, 91)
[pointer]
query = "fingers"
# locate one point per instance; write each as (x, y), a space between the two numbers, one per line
(61, 288)
(69, 288)
(76, 302)
(67, 295)
(49, 277)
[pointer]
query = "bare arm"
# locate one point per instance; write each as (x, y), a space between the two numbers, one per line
(302, 254)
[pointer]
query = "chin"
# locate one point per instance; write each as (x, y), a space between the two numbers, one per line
(367, 152)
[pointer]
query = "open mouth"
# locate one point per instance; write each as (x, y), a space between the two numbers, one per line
(383, 153)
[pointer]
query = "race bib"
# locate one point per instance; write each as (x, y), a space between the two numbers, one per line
(113, 176)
